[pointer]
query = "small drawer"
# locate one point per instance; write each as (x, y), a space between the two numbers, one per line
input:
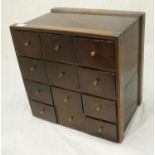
(38, 92)
(70, 119)
(43, 111)
(58, 47)
(33, 69)
(27, 44)
(67, 100)
(95, 53)
(97, 82)
(62, 75)
(99, 108)
(101, 129)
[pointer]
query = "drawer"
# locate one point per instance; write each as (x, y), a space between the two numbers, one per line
(101, 129)
(67, 100)
(97, 82)
(99, 108)
(43, 111)
(95, 53)
(33, 69)
(27, 44)
(62, 75)
(70, 119)
(38, 92)
(58, 47)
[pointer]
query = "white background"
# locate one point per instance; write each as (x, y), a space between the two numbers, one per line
(22, 134)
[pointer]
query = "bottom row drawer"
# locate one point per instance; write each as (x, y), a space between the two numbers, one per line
(43, 111)
(70, 119)
(75, 121)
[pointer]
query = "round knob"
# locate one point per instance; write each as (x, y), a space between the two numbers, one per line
(95, 82)
(92, 53)
(32, 68)
(42, 112)
(37, 92)
(61, 74)
(66, 98)
(98, 108)
(100, 129)
(70, 119)
(26, 44)
(57, 48)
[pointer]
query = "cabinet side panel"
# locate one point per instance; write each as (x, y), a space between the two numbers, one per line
(128, 52)
(141, 56)
(127, 67)
(130, 99)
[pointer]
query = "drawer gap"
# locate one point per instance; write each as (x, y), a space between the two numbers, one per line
(100, 120)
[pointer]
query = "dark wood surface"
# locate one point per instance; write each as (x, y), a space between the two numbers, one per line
(95, 53)
(58, 47)
(131, 99)
(97, 82)
(105, 24)
(43, 111)
(71, 119)
(27, 44)
(62, 75)
(101, 129)
(33, 69)
(39, 92)
(86, 65)
(67, 100)
(99, 108)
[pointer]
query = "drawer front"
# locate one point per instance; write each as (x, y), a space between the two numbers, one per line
(70, 119)
(33, 69)
(97, 82)
(62, 75)
(95, 53)
(67, 100)
(99, 108)
(38, 92)
(58, 47)
(27, 44)
(43, 111)
(101, 129)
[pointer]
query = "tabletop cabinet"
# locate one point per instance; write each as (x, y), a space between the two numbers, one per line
(82, 68)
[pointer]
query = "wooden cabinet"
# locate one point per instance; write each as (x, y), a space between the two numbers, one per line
(82, 68)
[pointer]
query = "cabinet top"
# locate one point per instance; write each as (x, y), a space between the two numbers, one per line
(83, 21)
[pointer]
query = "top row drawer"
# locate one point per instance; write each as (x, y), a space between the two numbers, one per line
(94, 53)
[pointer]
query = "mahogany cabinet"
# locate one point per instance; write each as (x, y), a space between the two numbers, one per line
(83, 68)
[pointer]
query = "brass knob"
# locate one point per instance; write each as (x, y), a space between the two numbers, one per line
(32, 68)
(57, 48)
(95, 82)
(66, 98)
(98, 108)
(61, 74)
(37, 92)
(42, 111)
(100, 129)
(70, 119)
(26, 44)
(92, 53)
